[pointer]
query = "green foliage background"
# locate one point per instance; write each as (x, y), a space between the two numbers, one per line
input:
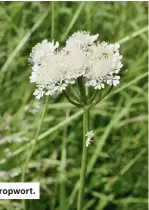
(117, 159)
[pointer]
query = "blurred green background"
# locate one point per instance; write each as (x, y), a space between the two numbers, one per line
(117, 159)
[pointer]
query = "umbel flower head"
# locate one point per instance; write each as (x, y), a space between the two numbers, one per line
(83, 61)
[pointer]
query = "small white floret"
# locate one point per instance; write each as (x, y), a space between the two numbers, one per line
(80, 41)
(39, 93)
(41, 50)
(89, 136)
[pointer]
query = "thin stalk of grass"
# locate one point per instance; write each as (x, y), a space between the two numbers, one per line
(139, 32)
(33, 146)
(84, 159)
(34, 140)
(20, 45)
(73, 21)
(63, 168)
(52, 21)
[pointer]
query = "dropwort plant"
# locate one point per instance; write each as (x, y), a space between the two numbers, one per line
(80, 70)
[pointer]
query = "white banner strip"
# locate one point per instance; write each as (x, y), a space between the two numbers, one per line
(19, 190)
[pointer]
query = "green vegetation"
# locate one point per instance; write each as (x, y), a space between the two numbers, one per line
(117, 159)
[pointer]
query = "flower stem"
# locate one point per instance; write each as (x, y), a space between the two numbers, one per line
(84, 159)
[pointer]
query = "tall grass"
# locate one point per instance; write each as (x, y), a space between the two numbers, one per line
(117, 168)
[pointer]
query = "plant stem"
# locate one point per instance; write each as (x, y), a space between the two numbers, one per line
(84, 159)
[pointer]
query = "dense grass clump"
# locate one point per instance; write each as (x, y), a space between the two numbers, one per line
(117, 167)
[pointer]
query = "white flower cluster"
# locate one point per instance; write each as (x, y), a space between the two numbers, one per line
(53, 70)
(89, 136)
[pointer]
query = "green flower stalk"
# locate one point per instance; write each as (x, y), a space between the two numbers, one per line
(83, 64)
